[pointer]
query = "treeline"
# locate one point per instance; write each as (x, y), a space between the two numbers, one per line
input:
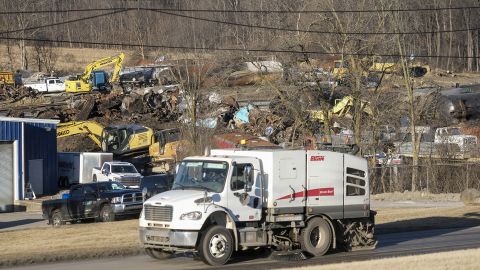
(449, 38)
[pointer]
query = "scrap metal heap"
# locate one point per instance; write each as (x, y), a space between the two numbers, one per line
(231, 99)
(156, 103)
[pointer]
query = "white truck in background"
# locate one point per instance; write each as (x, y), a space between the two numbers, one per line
(123, 172)
(48, 85)
(453, 135)
(76, 167)
(235, 200)
(437, 142)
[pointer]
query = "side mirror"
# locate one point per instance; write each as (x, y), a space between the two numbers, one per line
(248, 177)
(105, 172)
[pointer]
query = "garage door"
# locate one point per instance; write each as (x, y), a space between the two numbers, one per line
(6, 177)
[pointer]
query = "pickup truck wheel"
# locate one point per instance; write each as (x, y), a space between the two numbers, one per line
(106, 214)
(157, 253)
(57, 220)
(316, 238)
(216, 245)
(94, 178)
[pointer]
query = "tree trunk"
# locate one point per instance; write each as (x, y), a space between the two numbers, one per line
(450, 40)
(411, 109)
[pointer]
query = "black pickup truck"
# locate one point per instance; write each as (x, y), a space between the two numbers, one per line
(154, 184)
(102, 201)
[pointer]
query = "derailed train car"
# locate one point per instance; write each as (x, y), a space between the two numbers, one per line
(454, 104)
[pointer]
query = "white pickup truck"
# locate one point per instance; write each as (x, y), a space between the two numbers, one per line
(453, 135)
(50, 84)
(122, 172)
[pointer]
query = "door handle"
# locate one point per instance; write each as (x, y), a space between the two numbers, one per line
(292, 196)
(304, 193)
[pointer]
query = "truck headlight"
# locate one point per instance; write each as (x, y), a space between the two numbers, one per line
(195, 215)
(116, 200)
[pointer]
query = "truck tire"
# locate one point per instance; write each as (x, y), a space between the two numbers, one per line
(216, 245)
(316, 238)
(157, 254)
(57, 219)
(106, 214)
(94, 178)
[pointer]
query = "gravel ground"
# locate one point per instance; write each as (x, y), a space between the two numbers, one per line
(21, 220)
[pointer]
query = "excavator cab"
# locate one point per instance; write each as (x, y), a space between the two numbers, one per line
(99, 81)
(163, 152)
(165, 137)
(126, 139)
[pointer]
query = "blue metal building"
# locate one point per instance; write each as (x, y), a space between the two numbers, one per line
(28, 154)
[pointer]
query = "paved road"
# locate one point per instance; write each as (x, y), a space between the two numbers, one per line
(395, 244)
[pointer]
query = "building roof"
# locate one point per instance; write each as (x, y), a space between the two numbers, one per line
(29, 120)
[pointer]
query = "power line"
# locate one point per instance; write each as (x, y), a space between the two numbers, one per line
(244, 11)
(240, 24)
(311, 31)
(226, 49)
(63, 22)
(59, 11)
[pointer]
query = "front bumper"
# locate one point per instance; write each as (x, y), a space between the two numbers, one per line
(167, 238)
(125, 209)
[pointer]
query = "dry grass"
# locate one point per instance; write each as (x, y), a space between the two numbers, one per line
(461, 260)
(417, 196)
(121, 237)
(69, 242)
(74, 60)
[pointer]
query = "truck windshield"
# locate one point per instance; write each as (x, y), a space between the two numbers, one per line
(123, 169)
(454, 131)
(109, 186)
(204, 175)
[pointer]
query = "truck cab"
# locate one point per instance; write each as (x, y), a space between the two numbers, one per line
(241, 199)
(123, 172)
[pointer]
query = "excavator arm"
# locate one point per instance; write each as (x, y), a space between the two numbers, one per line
(92, 129)
(117, 60)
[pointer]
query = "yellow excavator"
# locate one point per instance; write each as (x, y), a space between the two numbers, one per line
(119, 139)
(341, 108)
(164, 152)
(94, 79)
(131, 142)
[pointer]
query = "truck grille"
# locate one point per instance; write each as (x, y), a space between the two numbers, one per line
(158, 213)
(130, 181)
(133, 197)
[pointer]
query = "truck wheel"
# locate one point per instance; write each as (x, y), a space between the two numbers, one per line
(106, 214)
(94, 178)
(216, 245)
(316, 238)
(57, 220)
(157, 253)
